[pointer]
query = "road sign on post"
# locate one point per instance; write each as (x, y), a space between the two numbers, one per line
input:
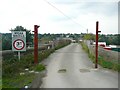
(18, 41)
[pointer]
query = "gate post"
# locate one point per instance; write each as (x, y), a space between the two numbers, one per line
(96, 61)
(36, 44)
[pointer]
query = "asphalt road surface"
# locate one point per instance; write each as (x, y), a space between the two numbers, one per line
(70, 67)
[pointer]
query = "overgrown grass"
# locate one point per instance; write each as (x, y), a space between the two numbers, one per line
(18, 81)
(85, 47)
(44, 54)
(12, 68)
(40, 67)
(104, 63)
(0, 83)
(11, 77)
(109, 64)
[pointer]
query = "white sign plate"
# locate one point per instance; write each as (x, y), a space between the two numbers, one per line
(18, 40)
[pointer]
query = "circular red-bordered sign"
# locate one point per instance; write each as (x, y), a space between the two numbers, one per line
(18, 44)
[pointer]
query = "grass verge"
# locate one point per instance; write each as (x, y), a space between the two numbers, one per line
(104, 63)
(18, 81)
(40, 68)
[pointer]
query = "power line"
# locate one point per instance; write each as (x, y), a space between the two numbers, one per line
(63, 13)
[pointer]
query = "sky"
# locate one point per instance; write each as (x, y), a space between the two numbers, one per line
(60, 16)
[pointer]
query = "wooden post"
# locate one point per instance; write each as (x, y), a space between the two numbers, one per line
(97, 31)
(36, 44)
(96, 62)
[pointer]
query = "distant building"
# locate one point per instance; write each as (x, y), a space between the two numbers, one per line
(113, 46)
(103, 44)
(67, 36)
(73, 41)
(80, 40)
(110, 47)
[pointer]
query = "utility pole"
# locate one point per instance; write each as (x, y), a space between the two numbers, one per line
(36, 44)
(87, 31)
(96, 62)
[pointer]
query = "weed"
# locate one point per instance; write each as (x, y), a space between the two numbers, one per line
(39, 67)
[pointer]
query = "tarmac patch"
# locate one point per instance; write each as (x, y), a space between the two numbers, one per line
(62, 71)
(84, 70)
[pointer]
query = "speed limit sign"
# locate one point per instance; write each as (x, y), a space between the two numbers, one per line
(19, 41)
(18, 44)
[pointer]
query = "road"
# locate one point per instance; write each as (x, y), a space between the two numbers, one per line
(76, 70)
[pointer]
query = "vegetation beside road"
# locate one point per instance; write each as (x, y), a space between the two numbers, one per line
(14, 73)
(110, 39)
(105, 64)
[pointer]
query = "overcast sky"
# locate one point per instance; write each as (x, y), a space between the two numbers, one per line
(60, 16)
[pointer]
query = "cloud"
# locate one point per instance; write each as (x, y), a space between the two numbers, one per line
(106, 8)
(86, 13)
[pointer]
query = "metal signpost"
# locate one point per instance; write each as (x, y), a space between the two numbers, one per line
(19, 41)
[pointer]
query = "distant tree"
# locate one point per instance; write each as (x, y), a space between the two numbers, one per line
(89, 37)
(118, 38)
(110, 39)
(6, 41)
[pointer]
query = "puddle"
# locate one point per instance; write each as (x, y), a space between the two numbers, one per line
(62, 71)
(84, 70)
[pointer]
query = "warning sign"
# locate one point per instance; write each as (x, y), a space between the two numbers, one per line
(18, 40)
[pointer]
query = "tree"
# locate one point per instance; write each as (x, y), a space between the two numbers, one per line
(89, 37)
(110, 39)
(6, 41)
(118, 38)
